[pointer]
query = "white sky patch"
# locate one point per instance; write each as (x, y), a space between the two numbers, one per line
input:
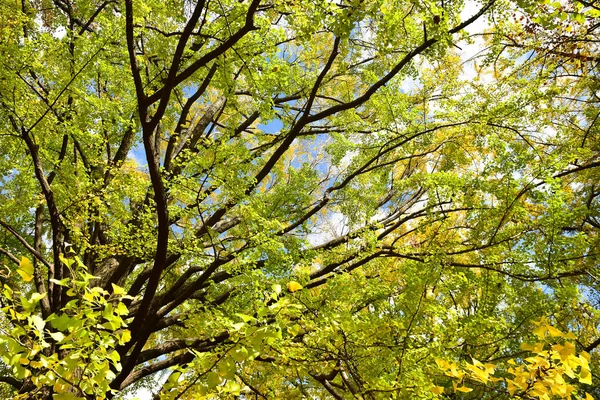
(470, 51)
(145, 393)
(347, 159)
(58, 33)
(330, 226)
(410, 85)
(140, 394)
(548, 133)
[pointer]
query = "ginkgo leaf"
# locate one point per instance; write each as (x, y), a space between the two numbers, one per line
(294, 286)
(570, 335)
(554, 332)
(57, 336)
(25, 269)
(540, 331)
(480, 375)
(464, 389)
(437, 389)
(534, 348)
(118, 290)
(585, 376)
(276, 288)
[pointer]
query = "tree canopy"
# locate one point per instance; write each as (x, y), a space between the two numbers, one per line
(289, 199)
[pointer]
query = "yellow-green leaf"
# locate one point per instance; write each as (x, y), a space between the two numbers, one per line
(118, 290)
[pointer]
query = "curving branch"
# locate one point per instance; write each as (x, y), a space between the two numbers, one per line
(17, 384)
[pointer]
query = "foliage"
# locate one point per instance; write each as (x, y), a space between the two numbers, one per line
(72, 351)
(545, 374)
(299, 199)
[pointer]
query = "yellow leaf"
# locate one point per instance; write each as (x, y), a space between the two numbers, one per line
(483, 376)
(585, 376)
(554, 332)
(573, 362)
(534, 348)
(588, 397)
(25, 269)
(512, 387)
(585, 355)
(455, 373)
(527, 346)
(540, 331)
(567, 350)
(294, 286)
(569, 372)
(126, 336)
(464, 389)
(570, 335)
(437, 389)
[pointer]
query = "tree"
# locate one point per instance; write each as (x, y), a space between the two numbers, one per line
(170, 169)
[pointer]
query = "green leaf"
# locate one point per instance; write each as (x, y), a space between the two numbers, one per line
(125, 336)
(61, 322)
(240, 354)
(238, 326)
(213, 379)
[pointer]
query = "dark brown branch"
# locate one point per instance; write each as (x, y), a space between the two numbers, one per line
(10, 256)
(86, 27)
(135, 70)
(37, 273)
(171, 82)
(17, 384)
(55, 222)
(592, 345)
(61, 156)
(124, 146)
(170, 153)
(162, 365)
(313, 93)
(72, 18)
(29, 248)
(327, 385)
(170, 346)
(394, 71)
(211, 55)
